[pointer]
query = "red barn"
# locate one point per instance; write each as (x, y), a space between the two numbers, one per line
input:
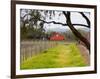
(56, 37)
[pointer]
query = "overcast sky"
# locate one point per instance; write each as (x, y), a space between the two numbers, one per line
(76, 18)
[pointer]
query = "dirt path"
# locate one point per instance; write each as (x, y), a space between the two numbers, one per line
(84, 53)
(62, 57)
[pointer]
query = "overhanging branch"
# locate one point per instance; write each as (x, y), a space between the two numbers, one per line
(86, 18)
(53, 22)
(63, 23)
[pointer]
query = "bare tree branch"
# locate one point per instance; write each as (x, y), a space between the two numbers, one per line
(63, 23)
(87, 20)
(53, 22)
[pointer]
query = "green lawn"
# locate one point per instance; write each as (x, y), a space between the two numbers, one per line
(57, 57)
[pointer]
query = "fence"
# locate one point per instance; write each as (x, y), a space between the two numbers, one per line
(30, 48)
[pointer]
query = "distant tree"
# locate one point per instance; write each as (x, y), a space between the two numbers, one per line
(31, 28)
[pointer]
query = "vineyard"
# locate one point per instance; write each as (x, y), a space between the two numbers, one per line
(50, 54)
(31, 48)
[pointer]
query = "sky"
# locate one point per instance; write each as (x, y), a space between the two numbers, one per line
(76, 18)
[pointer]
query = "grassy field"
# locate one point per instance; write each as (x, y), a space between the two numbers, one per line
(57, 57)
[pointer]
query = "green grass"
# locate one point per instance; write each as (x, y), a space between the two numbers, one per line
(57, 57)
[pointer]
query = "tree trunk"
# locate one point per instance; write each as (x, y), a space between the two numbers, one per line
(75, 32)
